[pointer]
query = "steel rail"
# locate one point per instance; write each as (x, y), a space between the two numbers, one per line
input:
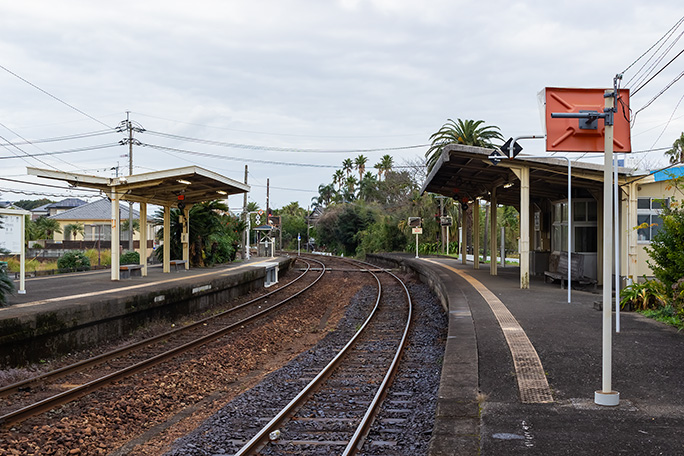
(356, 442)
(82, 390)
(304, 395)
(104, 357)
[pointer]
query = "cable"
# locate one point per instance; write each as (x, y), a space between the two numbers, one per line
(26, 192)
(279, 149)
(29, 142)
(277, 134)
(59, 152)
(658, 95)
(45, 185)
(669, 32)
(251, 160)
(54, 97)
(659, 71)
(25, 153)
(61, 138)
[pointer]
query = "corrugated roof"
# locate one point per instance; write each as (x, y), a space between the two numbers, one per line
(97, 210)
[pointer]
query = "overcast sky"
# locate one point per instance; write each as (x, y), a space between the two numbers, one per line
(310, 75)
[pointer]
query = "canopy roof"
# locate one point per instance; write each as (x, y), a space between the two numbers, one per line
(466, 172)
(158, 187)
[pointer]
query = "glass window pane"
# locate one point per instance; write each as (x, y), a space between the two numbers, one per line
(591, 211)
(579, 211)
(564, 238)
(555, 238)
(657, 224)
(643, 234)
(585, 239)
(564, 209)
(644, 203)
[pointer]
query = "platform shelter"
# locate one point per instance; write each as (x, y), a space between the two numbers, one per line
(179, 187)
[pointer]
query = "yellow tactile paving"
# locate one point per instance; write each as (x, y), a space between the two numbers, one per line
(532, 383)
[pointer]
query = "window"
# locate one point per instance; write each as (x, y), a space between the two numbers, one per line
(648, 217)
(584, 226)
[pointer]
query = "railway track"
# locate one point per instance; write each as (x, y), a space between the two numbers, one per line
(332, 414)
(45, 392)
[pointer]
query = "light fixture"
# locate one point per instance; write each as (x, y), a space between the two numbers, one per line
(221, 192)
(182, 181)
(508, 185)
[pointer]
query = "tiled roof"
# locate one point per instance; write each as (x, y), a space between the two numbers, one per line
(67, 203)
(97, 210)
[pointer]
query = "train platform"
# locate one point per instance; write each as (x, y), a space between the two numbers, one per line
(521, 368)
(70, 311)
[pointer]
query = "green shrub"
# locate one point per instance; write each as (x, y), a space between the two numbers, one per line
(649, 294)
(6, 287)
(130, 258)
(74, 260)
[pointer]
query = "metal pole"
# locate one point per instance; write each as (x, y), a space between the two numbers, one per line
(245, 217)
(416, 245)
(447, 241)
(617, 244)
(606, 396)
(130, 173)
(503, 246)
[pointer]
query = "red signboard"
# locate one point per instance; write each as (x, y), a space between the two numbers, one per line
(565, 134)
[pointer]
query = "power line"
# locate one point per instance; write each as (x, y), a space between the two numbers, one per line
(659, 71)
(280, 149)
(54, 97)
(29, 142)
(669, 32)
(279, 134)
(59, 152)
(45, 185)
(60, 138)
(32, 193)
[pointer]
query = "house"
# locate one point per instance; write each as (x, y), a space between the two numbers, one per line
(96, 218)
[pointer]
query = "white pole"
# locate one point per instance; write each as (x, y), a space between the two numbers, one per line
(416, 245)
(503, 246)
(447, 241)
(569, 229)
(22, 256)
(617, 246)
(606, 396)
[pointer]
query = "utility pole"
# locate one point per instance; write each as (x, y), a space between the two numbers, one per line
(130, 173)
(245, 215)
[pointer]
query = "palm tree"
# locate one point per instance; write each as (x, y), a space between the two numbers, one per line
(46, 227)
(347, 166)
(350, 188)
(368, 187)
(338, 178)
(74, 229)
(360, 163)
(384, 165)
(469, 132)
(325, 194)
(677, 152)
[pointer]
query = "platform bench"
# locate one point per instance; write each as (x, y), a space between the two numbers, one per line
(558, 269)
(130, 270)
(176, 263)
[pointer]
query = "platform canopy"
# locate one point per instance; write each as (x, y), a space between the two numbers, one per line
(465, 172)
(162, 188)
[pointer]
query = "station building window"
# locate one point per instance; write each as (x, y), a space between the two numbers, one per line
(584, 225)
(649, 218)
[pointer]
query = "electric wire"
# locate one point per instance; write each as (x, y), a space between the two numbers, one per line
(668, 33)
(61, 138)
(278, 149)
(59, 152)
(635, 91)
(54, 97)
(17, 181)
(26, 154)
(662, 91)
(29, 142)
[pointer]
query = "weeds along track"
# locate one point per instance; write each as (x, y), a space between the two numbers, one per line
(36, 395)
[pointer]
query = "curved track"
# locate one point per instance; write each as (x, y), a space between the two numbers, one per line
(39, 394)
(333, 413)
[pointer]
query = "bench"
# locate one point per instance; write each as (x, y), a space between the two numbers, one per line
(176, 263)
(558, 269)
(130, 270)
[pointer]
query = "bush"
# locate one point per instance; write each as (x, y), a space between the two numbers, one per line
(130, 258)
(650, 294)
(105, 256)
(6, 287)
(74, 260)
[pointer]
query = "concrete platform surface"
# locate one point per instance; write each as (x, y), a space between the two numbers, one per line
(484, 414)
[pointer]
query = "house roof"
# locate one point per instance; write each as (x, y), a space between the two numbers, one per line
(66, 203)
(97, 210)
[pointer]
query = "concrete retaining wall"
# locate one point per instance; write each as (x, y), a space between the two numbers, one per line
(57, 328)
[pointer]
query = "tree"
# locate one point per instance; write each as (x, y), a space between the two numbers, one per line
(677, 152)
(667, 246)
(350, 188)
(368, 187)
(469, 132)
(124, 226)
(347, 166)
(32, 204)
(384, 165)
(325, 195)
(47, 227)
(360, 163)
(338, 179)
(73, 229)
(6, 287)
